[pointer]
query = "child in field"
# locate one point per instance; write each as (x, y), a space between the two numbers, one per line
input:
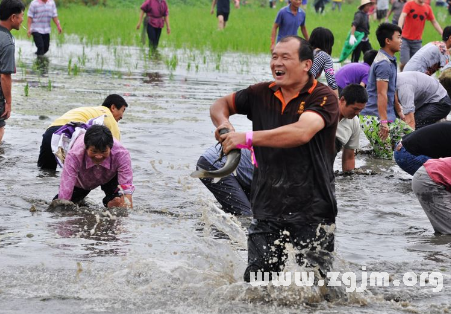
(288, 21)
(361, 23)
(322, 41)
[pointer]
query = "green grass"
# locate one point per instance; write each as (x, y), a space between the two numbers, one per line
(193, 27)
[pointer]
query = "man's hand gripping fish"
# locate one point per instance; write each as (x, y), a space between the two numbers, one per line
(233, 159)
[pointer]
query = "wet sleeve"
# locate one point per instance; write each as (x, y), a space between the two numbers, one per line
(325, 103)
(406, 96)
(382, 71)
(68, 177)
(7, 61)
(303, 20)
(243, 102)
(125, 172)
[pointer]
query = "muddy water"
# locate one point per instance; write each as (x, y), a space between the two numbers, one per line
(176, 252)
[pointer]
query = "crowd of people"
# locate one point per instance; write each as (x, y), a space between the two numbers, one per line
(285, 179)
(299, 125)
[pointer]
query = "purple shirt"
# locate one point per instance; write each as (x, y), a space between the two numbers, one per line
(352, 73)
(156, 10)
(80, 171)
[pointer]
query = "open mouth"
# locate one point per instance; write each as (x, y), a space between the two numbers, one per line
(279, 72)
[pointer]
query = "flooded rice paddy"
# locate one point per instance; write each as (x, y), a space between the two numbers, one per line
(175, 252)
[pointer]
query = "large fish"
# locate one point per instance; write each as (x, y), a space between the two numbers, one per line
(233, 159)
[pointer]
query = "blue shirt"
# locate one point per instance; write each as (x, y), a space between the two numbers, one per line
(288, 22)
(384, 68)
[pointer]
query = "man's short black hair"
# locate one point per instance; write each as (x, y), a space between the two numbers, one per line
(116, 100)
(368, 57)
(446, 33)
(323, 39)
(386, 31)
(99, 136)
(305, 49)
(354, 93)
(10, 7)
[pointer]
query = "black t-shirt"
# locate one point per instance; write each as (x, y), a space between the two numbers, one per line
(361, 23)
(223, 6)
(433, 141)
(295, 184)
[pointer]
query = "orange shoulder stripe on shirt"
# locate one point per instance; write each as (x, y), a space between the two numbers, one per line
(315, 82)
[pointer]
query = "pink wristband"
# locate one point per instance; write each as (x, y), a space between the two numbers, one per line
(249, 137)
(248, 145)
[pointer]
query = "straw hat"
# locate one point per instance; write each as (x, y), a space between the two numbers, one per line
(363, 2)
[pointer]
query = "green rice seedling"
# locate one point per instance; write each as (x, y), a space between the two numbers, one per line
(26, 89)
(75, 69)
(49, 86)
(69, 66)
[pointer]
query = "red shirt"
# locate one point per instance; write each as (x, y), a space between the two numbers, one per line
(440, 171)
(415, 19)
(156, 10)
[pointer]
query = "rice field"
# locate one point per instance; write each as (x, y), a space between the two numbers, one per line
(193, 27)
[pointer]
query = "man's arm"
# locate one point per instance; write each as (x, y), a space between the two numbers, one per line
(213, 3)
(348, 159)
(166, 21)
(398, 107)
(437, 27)
(6, 89)
(29, 21)
(141, 15)
(382, 88)
(401, 20)
(57, 23)
(125, 182)
(220, 112)
(291, 135)
(273, 35)
(410, 119)
(304, 32)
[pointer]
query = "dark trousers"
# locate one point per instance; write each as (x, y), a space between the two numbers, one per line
(154, 36)
(266, 246)
(46, 159)
(319, 6)
(42, 42)
(110, 188)
(363, 47)
(433, 112)
(232, 194)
